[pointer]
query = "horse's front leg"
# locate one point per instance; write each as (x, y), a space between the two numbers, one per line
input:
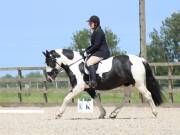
(96, 98)
(75, 91)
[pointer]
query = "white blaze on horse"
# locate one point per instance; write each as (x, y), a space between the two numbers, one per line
(116, 71)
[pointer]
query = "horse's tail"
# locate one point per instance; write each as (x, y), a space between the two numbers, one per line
(152, 85)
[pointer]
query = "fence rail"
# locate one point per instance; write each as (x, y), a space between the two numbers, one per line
(19, 80)
(170, 77)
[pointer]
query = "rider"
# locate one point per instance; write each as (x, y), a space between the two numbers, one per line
(98, 49)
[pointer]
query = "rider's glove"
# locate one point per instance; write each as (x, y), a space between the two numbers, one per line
(85, 54)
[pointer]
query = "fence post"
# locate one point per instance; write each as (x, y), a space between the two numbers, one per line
(37, 86)
(45, 87)
(170, 84)
(56, 84)
(20, 85)
(153, 70)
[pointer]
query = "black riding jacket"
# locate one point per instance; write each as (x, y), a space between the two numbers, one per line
(98, 45)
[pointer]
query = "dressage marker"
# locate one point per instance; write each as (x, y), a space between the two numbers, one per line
(84, 106)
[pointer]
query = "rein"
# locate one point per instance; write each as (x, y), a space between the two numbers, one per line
(83, 57)
(68, 65)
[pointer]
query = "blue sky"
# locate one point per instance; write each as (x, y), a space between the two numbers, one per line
(28, 27)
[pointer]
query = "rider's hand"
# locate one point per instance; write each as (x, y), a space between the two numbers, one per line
(85, 54)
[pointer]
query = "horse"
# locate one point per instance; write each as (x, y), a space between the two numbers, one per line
(121, 70)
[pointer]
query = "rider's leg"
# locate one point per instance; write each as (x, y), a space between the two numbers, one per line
(92, 71)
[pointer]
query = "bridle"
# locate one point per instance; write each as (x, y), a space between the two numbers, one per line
(61, 69)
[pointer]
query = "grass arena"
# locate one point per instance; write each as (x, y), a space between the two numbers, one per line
(131, 120)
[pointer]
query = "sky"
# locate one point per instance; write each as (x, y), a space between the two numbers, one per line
(28, 27)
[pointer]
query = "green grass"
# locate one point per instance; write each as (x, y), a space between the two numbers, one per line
(8, 97)
(32, 97)
(135, 97)
(57, 96)
(176, 96)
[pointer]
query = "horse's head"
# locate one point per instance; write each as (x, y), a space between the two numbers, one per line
(53, 62)
(57, 59)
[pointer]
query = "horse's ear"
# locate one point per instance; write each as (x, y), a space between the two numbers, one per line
(47, 53)
(44, 54)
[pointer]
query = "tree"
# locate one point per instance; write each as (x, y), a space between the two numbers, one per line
(171, 37)
(112, 41)
(81, 40)
(34, 75)
(6, 84)
(165, 46)
(7, 76)
(155, 51)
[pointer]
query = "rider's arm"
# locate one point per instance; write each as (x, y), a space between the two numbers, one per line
(97, 43)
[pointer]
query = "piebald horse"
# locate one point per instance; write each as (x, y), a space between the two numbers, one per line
(116, 71)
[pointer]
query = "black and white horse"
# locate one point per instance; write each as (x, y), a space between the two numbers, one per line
(122, 70)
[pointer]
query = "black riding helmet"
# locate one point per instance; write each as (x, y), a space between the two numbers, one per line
(94, 19)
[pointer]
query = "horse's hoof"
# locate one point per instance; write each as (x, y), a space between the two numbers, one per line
(101, 117)
(113, 115)
(58, 116)
(155, 114)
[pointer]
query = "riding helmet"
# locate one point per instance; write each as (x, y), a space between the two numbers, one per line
(94, 19)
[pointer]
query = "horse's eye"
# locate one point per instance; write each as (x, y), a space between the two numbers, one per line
(55, 71)
(51, 63)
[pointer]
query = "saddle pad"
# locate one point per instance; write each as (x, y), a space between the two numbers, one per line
(103, 66)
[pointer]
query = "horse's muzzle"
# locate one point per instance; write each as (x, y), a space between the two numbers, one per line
(49, 78)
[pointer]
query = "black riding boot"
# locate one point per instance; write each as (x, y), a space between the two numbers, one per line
(92, 75)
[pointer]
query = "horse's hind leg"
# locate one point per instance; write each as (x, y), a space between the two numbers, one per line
(127, 94)
(147, 95)
(101, 108)
(96, 98)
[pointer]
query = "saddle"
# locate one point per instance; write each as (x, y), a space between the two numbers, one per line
(102, 66)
